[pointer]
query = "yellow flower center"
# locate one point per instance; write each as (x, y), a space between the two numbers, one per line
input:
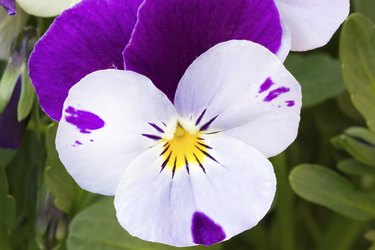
(184, 149)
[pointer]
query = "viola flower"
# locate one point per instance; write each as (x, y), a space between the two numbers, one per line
(11, 129)
(40, 8)
(177, 169)
(167, 36)
(85, 39)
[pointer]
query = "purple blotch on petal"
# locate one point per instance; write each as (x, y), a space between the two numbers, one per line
(83, 120)
(78, 142)
(205, 231)
(266, 85)
(276, 93)
(290, 103)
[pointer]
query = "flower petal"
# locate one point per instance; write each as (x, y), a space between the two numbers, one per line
(11, 130)
(285, 43)
(10, 6)
(312, 22)
(196, 207)
(171, 34)
(45, 8)
(245, 91)
(89, 37)
(101, 130)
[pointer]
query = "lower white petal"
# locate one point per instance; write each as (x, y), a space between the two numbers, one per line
(201, 203)
(109, 118)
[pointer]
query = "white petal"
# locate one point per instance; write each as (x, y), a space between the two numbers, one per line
(286, 43)
(228, 82)
(45, 8)
(10, 27)
(197, 208)
(101, 129)
(312, 23)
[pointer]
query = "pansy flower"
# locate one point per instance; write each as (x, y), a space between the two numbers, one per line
(12, 129)
(190, 172)
(161, 38)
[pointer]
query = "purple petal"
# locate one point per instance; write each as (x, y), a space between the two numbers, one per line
(88, 37)
(9, 6)
(11, 130)
(171, 34)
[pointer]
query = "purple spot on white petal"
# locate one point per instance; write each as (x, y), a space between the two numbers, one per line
(78, 142)
(205, 231)
(266, 85)
(83, 120)
(276, 93)
(290, 103)
(92, 140)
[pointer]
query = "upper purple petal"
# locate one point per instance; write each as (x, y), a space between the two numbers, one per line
(88, 37)
(10, 6)
(171, 34)
(11, 130)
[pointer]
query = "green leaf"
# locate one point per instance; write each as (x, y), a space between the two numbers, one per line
(7, 211)
(359, 143)
(353, 167)
(325, 187)
(340, 233)
(346, 107)
(6, 156)
(367, 7)
(357, 54)
(96, 228)
(319, 76)
(26, 102)
(370, 236)
(69, 198)
(9, 79)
